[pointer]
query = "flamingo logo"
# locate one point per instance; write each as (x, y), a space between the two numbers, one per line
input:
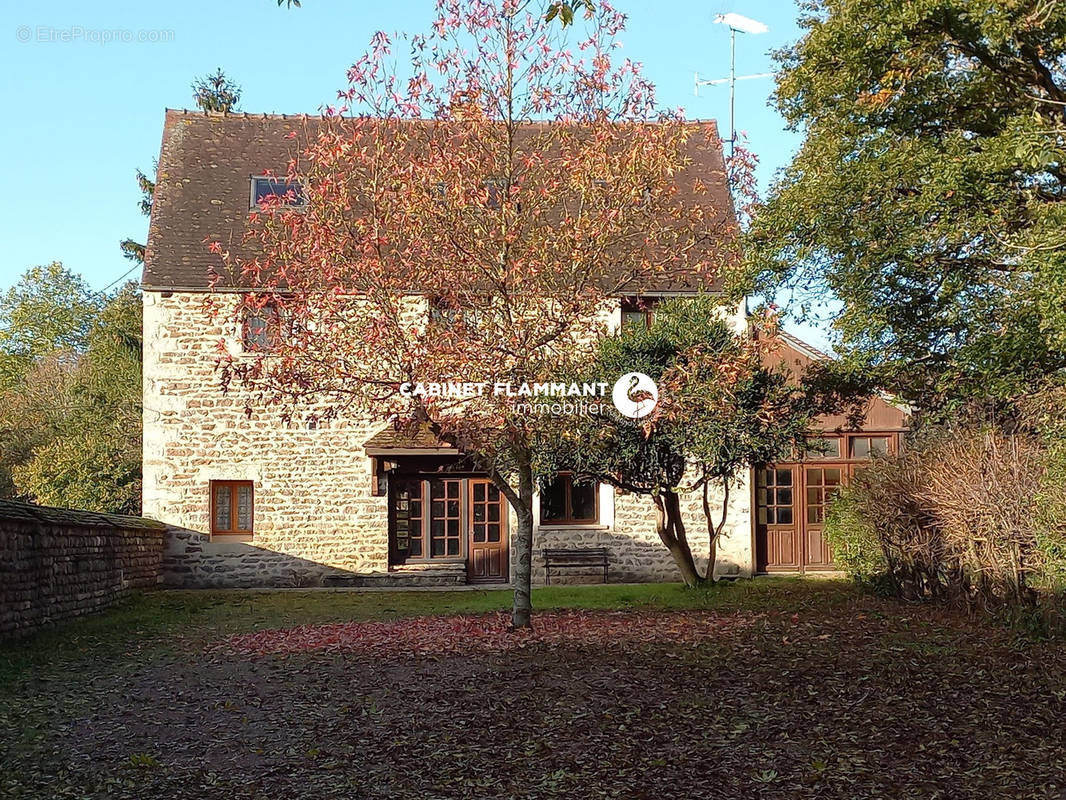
(635, 395)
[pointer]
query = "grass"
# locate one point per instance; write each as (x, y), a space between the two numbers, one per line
(775, 688)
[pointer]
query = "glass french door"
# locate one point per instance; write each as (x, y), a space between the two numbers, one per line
(448, 520)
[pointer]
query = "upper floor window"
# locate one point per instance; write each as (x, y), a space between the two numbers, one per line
(822, 447)
(566, 501)
(869, 446)
(639, 311)
(266, 187)
(261, 331)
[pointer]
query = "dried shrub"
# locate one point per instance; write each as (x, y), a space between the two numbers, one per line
(959, 514)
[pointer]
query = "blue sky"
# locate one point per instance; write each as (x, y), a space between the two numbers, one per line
(84, 113)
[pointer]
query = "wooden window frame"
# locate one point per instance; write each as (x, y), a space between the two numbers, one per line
(811, 453)
(568, 517)
(233, 532)
(771, 506)
(424, 535)
(889, 445)
(645, 306)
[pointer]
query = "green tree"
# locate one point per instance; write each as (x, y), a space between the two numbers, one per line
(721, 411)
(92, 460)
(216, 92)
(212, 92)
(131, 249)
(49, 310)
(928, 194)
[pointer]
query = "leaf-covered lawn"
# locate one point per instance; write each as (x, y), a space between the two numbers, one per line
(771, 689)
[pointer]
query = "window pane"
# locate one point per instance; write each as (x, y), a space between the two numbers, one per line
(832, 477)
(784, 497)
(784, 516)
(244, 508)
(784, 477)
(553, 500)
(823, 448)
(290, 193)
(631, 318)
(262, 330)
(860, 448)
(222, 507)
(583, 501)
(879, 445)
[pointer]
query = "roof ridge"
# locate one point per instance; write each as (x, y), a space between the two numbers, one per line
(263, 115)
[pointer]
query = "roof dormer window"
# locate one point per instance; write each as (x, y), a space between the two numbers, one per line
(267, 187)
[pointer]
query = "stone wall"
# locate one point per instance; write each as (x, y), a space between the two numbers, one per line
(316, 521)
(314, 511)
(56, 563)
(637, 554)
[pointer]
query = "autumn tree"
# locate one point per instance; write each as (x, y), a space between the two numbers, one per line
(723, 408)
(928, 194)
(468, 219)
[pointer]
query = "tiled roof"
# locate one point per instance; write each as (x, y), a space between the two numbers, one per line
(404, 437)
(203, 192)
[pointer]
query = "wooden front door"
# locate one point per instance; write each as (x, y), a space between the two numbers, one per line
(819, 485)
(487, 534)
(778, 539)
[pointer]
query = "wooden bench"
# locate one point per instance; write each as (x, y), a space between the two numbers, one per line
(580, 557)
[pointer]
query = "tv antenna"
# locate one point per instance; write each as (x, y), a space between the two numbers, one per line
(737, 24)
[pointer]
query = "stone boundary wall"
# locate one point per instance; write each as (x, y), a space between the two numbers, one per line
(57, 563)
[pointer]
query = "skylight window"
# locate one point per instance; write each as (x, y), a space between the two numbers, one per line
(265, 187)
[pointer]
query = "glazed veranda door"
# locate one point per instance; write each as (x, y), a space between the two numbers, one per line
(486, 534)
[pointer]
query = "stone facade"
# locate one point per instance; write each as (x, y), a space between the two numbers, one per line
(316, 520)
(56, 564)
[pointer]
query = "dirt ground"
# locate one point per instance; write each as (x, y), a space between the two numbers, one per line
(852, 698)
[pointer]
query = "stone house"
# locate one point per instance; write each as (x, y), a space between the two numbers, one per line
(254, 502)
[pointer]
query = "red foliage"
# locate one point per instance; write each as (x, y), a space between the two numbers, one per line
(489, 633)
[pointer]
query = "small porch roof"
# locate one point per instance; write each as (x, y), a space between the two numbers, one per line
(400, 440)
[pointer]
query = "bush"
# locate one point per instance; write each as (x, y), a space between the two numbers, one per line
(856, 546)
(960, 513)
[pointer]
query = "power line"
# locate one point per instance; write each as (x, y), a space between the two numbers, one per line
(119, 278)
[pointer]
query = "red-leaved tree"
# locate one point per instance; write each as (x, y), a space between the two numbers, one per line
(468, 216)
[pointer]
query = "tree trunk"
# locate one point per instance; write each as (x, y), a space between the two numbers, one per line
(671, 529)
(714, 532)
(523, 545)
